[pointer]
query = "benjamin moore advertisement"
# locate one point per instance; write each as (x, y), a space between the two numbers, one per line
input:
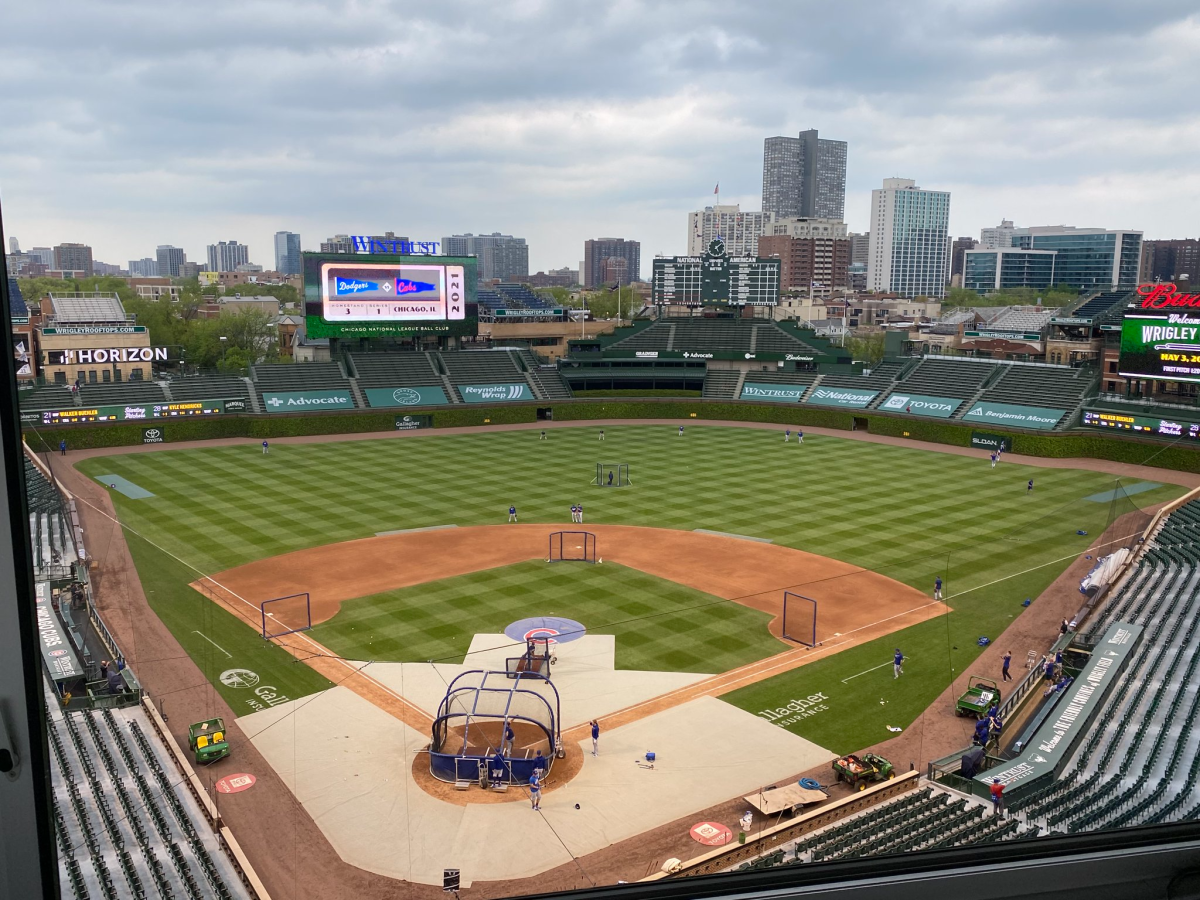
(773, 393)
(835, 396)
(306, 401)
(406, 396)
(1021, 416)
(921, 405)
(1049, 747)
(494, 393)
(1163, 346)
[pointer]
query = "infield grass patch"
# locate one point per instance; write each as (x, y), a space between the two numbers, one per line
(659, 625)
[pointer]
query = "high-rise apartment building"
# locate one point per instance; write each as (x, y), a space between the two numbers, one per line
(287, 253)
(143, 268)
(816, 264)
(909, 239)
(598, 268)
(501, 257)
(226, 256)
(740, 230)
(804, 176)
(14, 246)
(860, 247)
(73, 258)
(957, 250)
(1176, 260)
(801, 227)
(998, 237)
(339, 243)
(44, 255)
(170, 260)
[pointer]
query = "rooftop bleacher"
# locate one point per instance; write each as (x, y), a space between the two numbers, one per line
(1023, 318)
(123, 827)
(518, 296)
(489, 299)
(1097, 304)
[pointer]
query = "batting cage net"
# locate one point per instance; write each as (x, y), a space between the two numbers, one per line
(535, 661)
(577, 546)
(612, 475)
(474, 717)
(286, 615)
(800, 619)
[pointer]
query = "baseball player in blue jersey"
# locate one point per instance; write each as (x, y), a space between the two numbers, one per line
(898, 664)
(535, 790)
(595, 737)
(937, 588)
(512, 514)
(787, 435)
(681, 431)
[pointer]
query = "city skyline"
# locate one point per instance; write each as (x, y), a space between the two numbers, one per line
(623, 142)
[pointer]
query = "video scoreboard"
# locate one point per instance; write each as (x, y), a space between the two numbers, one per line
(370, 295)
(1161, 345)
(715, 278)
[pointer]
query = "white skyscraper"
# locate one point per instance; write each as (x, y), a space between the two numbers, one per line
(910, 245)
(740, 230)
(226, 256)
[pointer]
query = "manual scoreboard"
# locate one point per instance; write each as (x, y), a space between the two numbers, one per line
(715, 278)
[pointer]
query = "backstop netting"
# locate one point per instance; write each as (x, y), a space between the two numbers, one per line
(800, 619)
(286, 615)
(471, 720)
(612, 475)
(579, 546)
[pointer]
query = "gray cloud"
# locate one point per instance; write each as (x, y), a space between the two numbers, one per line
(137, 123)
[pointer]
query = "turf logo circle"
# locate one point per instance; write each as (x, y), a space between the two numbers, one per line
(406, 396)
(239, 678)
(551, 629)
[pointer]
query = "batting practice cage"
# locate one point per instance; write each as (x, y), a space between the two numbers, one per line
(471, 721)
(612, 474)
(577, 546)
(800, 619)
(285, 615)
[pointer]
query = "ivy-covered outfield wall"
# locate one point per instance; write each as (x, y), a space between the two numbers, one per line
(1057, 445)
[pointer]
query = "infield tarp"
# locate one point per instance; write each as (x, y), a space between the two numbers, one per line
(921, 405)
(849, 397)
(1046, 752)
(1021, 416)
(406, 396)
(494, 393)
(773, 393)
(303, 401)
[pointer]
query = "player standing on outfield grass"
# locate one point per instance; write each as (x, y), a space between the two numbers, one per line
(937, 588)
(512, 514)
(543, 437)
(610, 475)
(265, 448)
(898, 664)
(681, 431)
(1029, 487)
(601, 434)
(787, 435)
(799, 436)
(993, 457)
(595, 737)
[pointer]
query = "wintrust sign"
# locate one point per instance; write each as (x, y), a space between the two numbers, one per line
(1166, 296)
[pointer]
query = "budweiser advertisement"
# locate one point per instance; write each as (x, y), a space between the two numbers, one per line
(1160, 337)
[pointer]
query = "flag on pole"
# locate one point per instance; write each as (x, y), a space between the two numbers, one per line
(717, 189)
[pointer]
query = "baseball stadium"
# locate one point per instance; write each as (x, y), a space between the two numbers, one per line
(701, 595)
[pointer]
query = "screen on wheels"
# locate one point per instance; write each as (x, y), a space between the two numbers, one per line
(367, 295)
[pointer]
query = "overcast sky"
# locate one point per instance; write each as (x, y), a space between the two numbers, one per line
(132, 124)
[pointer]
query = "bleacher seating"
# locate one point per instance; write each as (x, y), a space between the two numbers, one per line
(1099, 303)
(481, 366)
(518, 296)
(121, 393)
(881, 377)
(315, 376)
(51, 396)
(123, 829)
(49, 531)
(713, 335)
(209, 387)
(1023, 318)
(1046, 386)
(489, 300)
(721, 384)
(946, 378)
(383, 370)
(547, 381)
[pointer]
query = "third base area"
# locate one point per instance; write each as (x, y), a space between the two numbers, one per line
(351, 766)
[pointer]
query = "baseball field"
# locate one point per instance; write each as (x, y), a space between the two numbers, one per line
(907, 515)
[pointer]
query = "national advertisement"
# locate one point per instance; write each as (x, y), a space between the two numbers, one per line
(773, 393)
(306, 401)
(921, 405)
(856, 398)
(1163, 346)
(494, 393)
(406, 396)
(1020, 416)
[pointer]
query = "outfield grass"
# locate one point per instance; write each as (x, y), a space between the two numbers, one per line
(659, 625)
(909, 514)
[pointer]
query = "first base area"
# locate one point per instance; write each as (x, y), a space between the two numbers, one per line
(350, 764)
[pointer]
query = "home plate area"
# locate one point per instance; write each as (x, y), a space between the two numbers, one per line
(355, 775)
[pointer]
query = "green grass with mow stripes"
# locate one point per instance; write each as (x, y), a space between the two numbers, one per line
(659, 625)
(910, 514)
